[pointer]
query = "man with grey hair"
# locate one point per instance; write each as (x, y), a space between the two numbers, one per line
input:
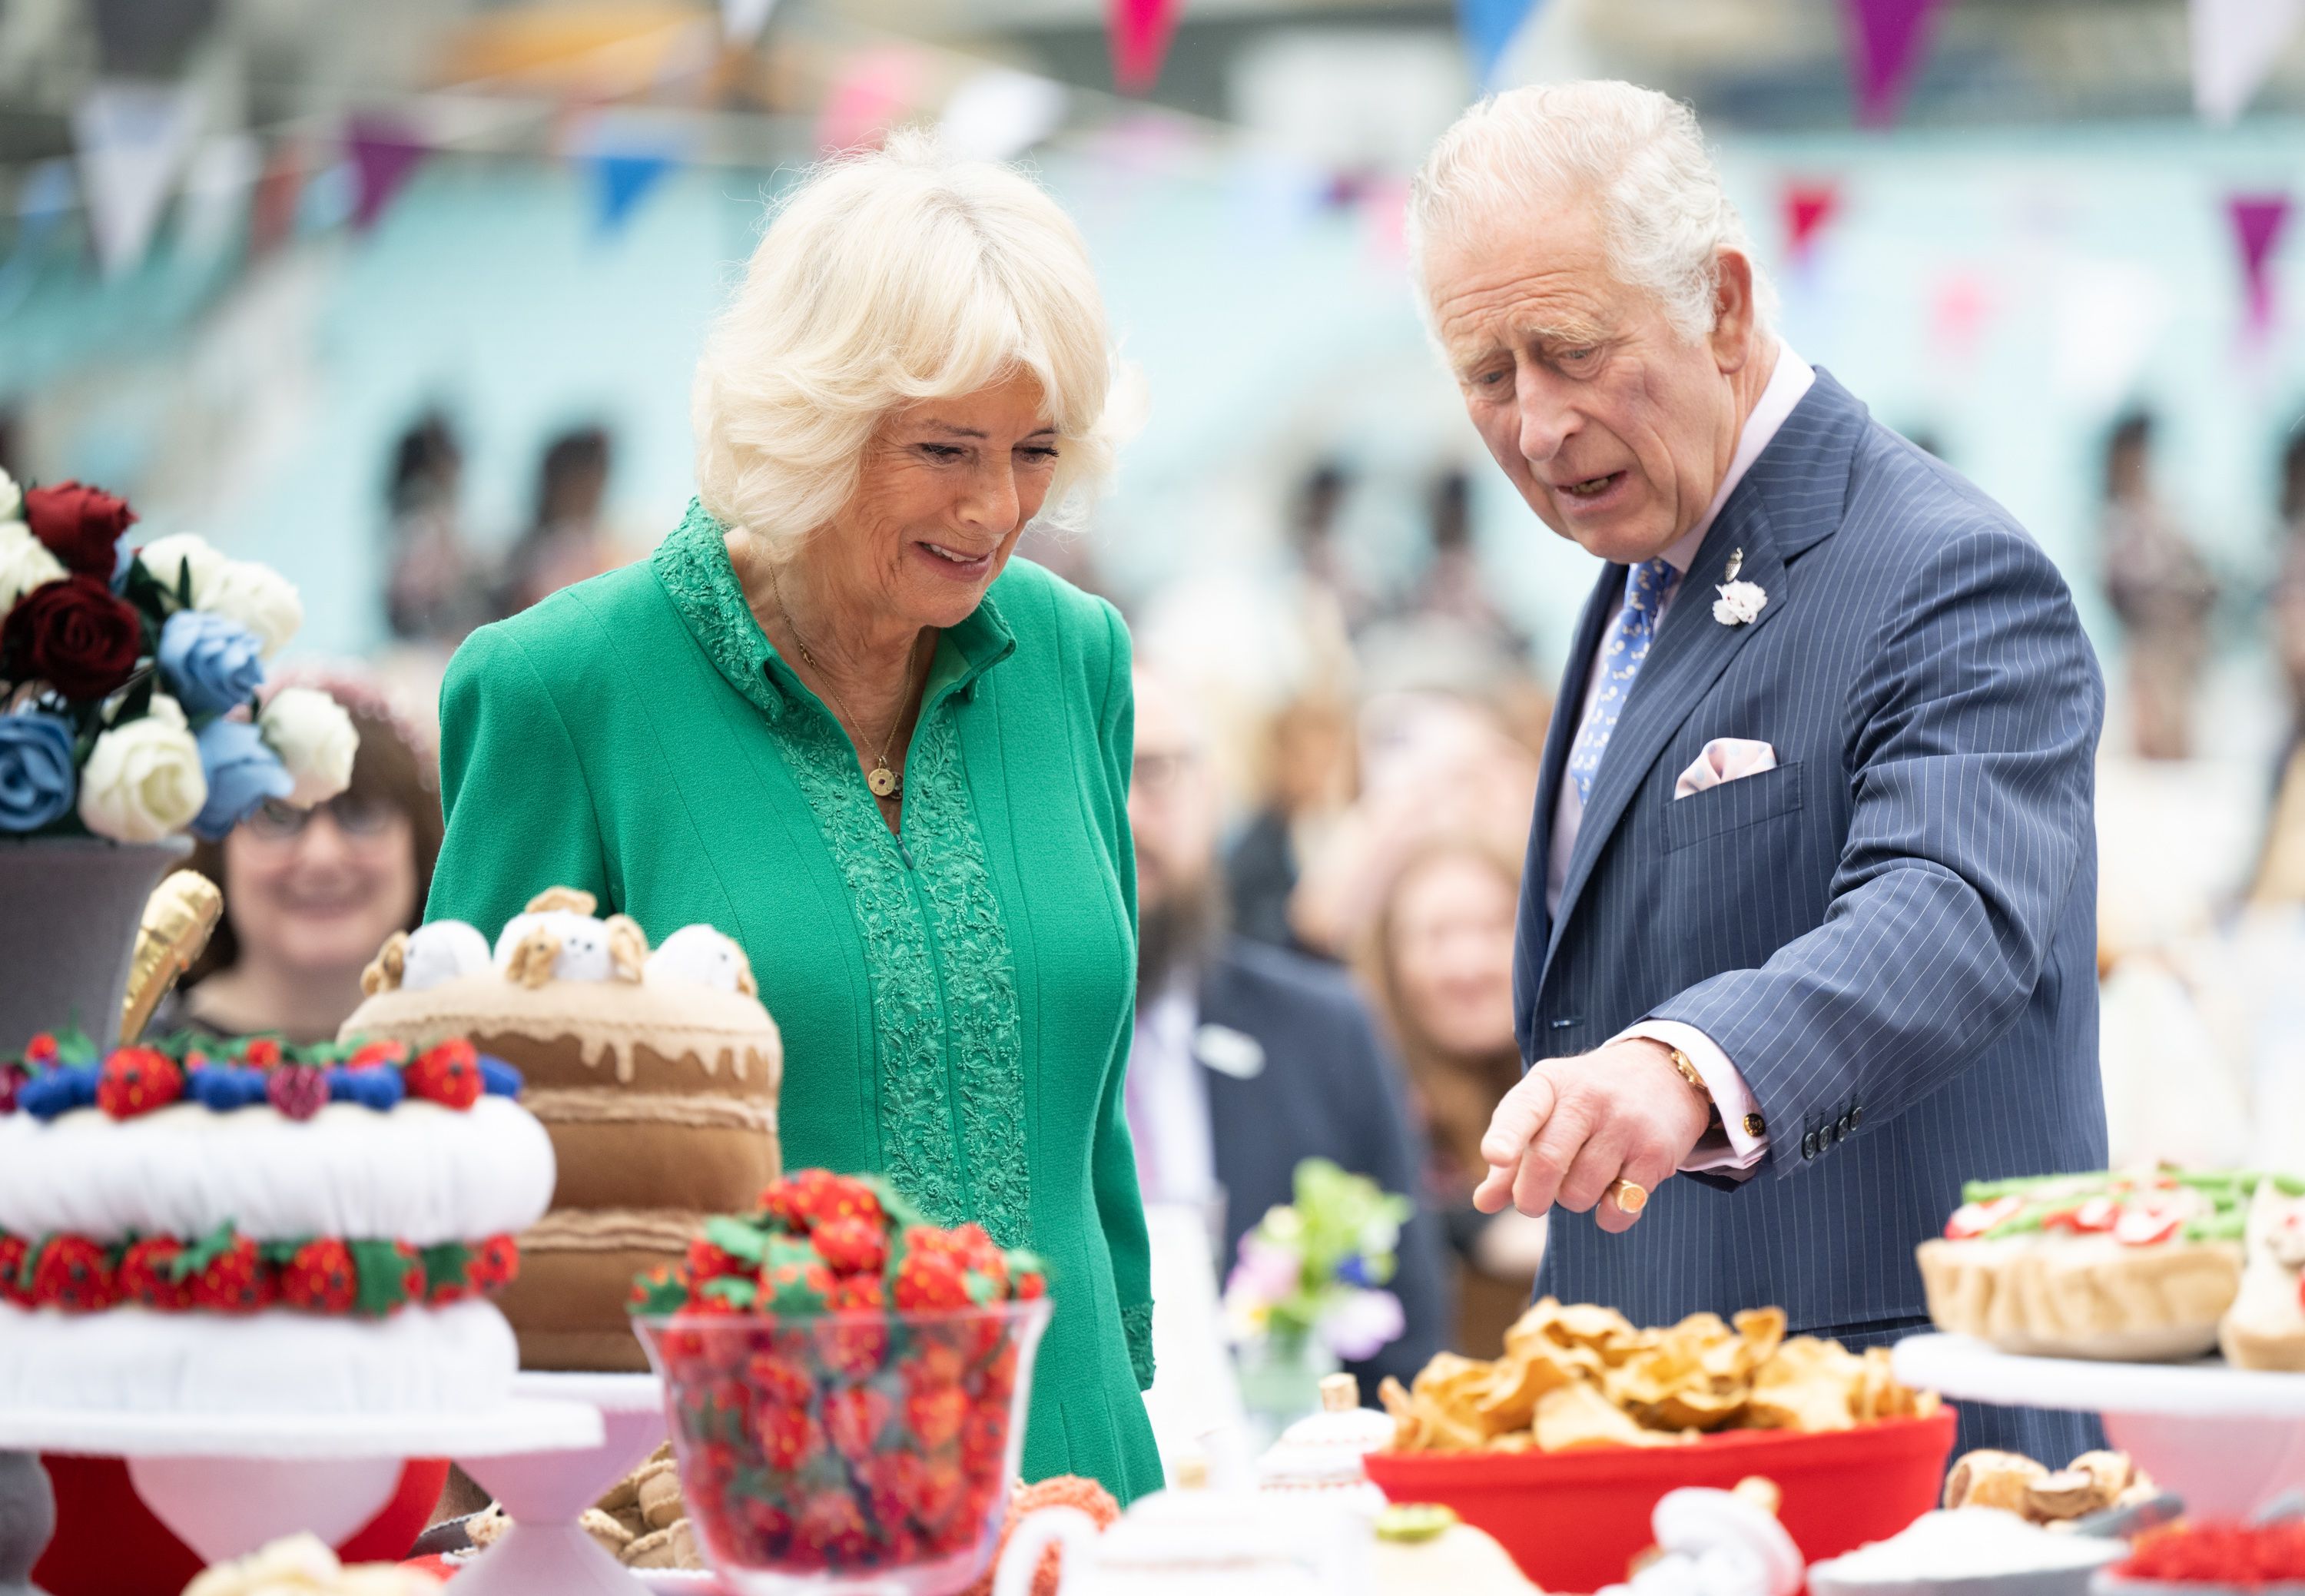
(1809, 911)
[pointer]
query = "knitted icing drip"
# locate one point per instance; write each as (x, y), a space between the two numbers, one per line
(937, 957)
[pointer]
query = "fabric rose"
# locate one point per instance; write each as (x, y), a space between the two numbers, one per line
(166, 557)
(36, 770)
(12, 498)
(242, 773)
(25, 564)
(79, 525)
(1739, 604)
(211, 664)
(256, 596)
(78, 636)
(142, 781)
(315, 739)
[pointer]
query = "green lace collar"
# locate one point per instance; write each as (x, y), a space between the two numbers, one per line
(693, 567)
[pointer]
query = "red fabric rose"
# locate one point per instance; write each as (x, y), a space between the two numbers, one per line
(79, 525)
(73, 635)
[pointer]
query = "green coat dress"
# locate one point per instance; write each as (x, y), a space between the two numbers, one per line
(956, 1004)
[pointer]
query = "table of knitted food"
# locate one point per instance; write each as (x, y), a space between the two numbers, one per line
(2141, 1266)
(654, 1072)
(204, 1227)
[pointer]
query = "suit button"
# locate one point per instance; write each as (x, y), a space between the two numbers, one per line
(1840, 1128)
(1809, 1145)
(1857, 1116)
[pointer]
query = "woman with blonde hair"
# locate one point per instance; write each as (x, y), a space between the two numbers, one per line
(831, 716)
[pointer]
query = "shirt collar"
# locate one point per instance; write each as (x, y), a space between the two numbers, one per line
(1792, 378)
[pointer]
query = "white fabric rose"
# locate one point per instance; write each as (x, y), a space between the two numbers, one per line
(166, 557)
(1740, 602)
(256, 596)
(12, 498)
(25, 562)
(144, 779)
(315, 739)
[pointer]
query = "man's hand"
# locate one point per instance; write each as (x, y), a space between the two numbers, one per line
(1575, 1126)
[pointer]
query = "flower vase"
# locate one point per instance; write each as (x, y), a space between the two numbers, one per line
(1281, 1383)
(69, 909)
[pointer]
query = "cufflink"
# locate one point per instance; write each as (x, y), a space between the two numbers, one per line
(1755, 1125)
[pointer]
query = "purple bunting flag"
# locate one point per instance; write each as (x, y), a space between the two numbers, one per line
(1887, 40)
(384, 154)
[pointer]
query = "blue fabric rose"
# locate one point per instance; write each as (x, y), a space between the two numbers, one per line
(242, 771)
(36, 777)
(211, 664)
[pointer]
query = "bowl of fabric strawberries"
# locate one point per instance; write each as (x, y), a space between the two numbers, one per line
(846, 1386)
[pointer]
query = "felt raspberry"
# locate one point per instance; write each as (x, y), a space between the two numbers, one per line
(12, 1082)
(224, 1274)
(856, 1348)
(494, 1264)
(137, 1080)
(800, 1201)
(149, 1275)
(448, 1074)
(75, 1275)
(300, 1091)
(851, 1246)
(855, 1417)
(15, 1252)
(321, 1278)
(263, 1052)
(386, 1051)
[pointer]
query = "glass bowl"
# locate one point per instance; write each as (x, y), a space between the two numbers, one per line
(852, 1452)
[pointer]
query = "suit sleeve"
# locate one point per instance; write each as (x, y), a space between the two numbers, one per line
(1119, 1204)
(519, 812)
(1972, 781)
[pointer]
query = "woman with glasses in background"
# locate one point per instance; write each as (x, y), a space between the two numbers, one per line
(310, 895)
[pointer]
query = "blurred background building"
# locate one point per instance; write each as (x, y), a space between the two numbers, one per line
(404, 300)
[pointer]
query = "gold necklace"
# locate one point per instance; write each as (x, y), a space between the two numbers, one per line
(884, 781)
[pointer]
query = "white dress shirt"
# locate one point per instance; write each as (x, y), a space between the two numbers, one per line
(1737, 1151)
(1167, 1101)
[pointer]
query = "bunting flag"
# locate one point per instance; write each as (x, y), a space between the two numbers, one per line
(132, 139)
(2235, 45)
(2258, 220)
(1141, 32)
(743, 21)
(216, 190)
(1887, 39)
(279, 190)
(1808, 206)
(1958, 308)
(1489, 28)
(874, 91)
(998, 114)
(621, 178)
(385, 155)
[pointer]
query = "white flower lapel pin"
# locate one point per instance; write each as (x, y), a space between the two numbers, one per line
(1740, 601)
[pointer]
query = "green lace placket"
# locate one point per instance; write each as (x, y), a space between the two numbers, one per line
(951, 1050)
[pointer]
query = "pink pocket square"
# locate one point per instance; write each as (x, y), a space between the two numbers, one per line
(1725, 759)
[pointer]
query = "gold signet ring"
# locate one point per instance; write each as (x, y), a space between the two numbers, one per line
(1632, 1196)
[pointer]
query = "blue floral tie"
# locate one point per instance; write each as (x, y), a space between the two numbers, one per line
(1646, 586)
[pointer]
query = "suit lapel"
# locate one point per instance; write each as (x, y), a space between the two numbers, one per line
(1691, 651)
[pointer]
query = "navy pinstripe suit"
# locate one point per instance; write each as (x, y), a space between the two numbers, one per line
(1893, 934)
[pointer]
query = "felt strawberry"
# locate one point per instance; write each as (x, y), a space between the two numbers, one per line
(854, 1418)
(494, 1264)
(321, 1278)
(75, 1275)
(658, 1291)
(300, 1091)
(831, 1524)
(149, 1275)
(707, 1260)
(262, 1051)
(800, 1201)
(15, 1252)
(792, 1279)
(849, 1245)
(224, 1273)
(856, 1347)
(137, 1080)
(928, 1279)
(448, 1074)
(788, 1437)
(778, 1380)
(763, 1526)
(42, 1050)
(389, 1051)
(934, 1414)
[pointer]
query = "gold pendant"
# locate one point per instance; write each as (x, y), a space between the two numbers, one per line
(882, 780)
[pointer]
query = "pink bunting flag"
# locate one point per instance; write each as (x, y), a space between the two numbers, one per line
(2258, 220)
(384, 154)
(1886, 42)
(875, 90)
(1140, 31)
(1807, 207)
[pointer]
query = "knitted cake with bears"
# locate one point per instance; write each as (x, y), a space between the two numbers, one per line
(204, 1227)
(655, 1070)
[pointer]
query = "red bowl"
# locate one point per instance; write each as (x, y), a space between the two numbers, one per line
(1572, 1520)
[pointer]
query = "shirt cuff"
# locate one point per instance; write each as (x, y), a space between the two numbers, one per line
(1737, 1148)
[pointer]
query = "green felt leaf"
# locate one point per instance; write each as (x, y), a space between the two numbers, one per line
(737, 1238)
(381, 1272)
(732, 1289)
(444, 1265)
(663, 1294)
(198, 1255)
(73, 1046)
(281, 1254)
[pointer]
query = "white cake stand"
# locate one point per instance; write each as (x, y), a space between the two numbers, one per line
(2226, 1439)
(544, 1491)
(228, 1483)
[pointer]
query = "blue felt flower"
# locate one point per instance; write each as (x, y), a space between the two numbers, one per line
(372, 1086)
(58, 1091)
(37, 776)
(210, 663)
(242, 771)
(499, 1079)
